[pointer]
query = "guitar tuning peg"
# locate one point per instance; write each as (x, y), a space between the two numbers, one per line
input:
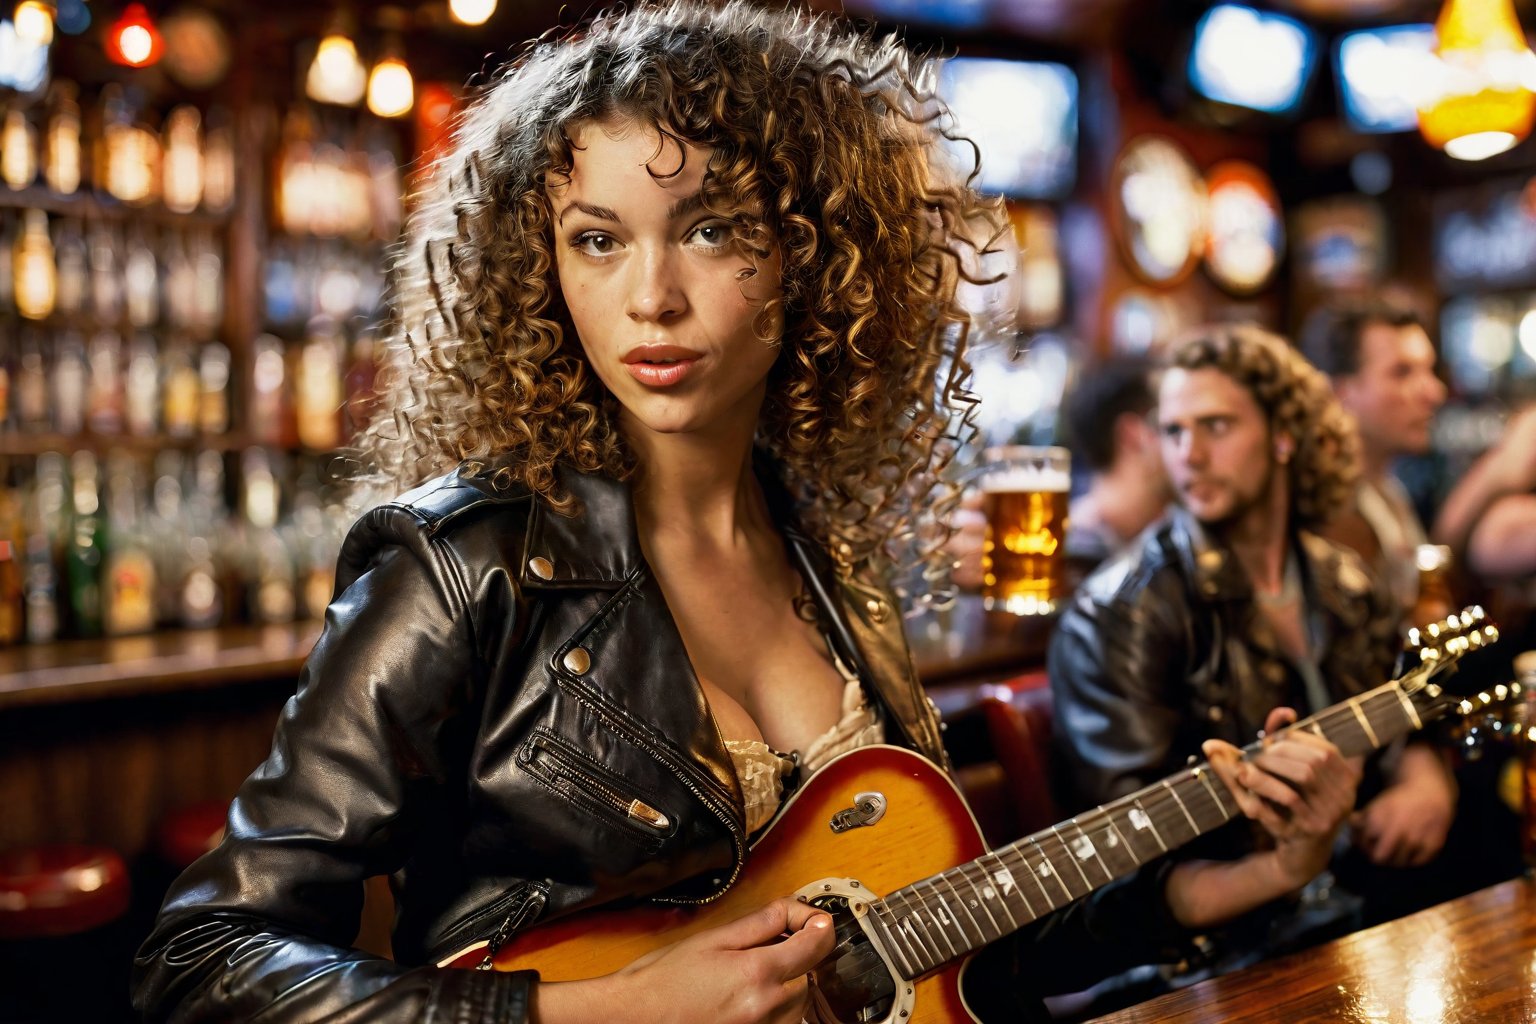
(1414, 637)
(1477, 613)
(1433, 630)
(1452, 624)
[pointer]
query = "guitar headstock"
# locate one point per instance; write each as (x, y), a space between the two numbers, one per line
(1499, 713)
(1439, 645)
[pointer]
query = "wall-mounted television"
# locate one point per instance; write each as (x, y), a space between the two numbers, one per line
(1381, 73)
(1251, 58)
(1022, 115)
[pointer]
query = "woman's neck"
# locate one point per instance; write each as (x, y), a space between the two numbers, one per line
(696, 485)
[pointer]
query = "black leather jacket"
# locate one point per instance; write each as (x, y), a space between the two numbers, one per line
(1164, 647)
(495, 685)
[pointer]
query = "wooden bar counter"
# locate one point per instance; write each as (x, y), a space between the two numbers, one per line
(1469, 961)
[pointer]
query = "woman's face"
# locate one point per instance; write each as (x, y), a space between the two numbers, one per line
(663, 300)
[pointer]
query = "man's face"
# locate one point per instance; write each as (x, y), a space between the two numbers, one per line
(1395, 394)
(1216, 444)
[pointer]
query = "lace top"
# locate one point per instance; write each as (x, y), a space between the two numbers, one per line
(762, 770)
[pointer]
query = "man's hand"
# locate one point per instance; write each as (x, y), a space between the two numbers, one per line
(750, 971)
(1299, 788)
(1406, 825)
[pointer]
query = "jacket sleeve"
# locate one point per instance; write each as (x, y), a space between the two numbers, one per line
(261, 927)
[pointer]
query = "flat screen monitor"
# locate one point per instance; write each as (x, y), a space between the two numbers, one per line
(1022, 115)
(1252, 58)
(1381, 72)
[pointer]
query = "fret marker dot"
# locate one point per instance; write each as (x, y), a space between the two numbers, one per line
(1139, 819)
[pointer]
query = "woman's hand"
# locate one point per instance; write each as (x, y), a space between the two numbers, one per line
(745, 972)
(1299, 788)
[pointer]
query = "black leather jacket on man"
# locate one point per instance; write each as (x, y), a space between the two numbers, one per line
(495, 685)
(1164, 646)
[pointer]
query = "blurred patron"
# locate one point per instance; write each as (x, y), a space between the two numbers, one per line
(1381, 362)
(1489, 518)
(1234, 616)
(1106, 420)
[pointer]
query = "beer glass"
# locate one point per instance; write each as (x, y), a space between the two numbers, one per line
(1024, 494)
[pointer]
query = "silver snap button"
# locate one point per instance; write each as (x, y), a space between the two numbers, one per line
(542, 567)
(577, 661)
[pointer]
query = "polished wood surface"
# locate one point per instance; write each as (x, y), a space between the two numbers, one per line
(926, 828)
(1469, 961)
(81, 670)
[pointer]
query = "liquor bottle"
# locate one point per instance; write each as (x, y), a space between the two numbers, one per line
(182, 183)
(180, 282)
(141, 402)
(141, 281)
(269, 570)
(34, 274)
(106, 277)
(270, 411)
(7, 376)
(30, 386)
(7, 264)
(128, 596)
(85, 547)
(12, 620)
(213, 389)
(71, 376)
(18, 148)
(219, 163)
(207, 284)
(45, 528)
(317, 390)
(74, 269)
(61, 153)
(104, 397)
(182, 390)
(209, 511)
(311, 543)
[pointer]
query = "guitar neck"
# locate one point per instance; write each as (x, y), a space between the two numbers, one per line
(929, 923)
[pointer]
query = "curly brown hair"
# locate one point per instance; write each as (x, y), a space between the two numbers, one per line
(833, 142)
(1298, 401)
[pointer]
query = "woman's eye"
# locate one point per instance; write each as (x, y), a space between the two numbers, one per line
(713, 235)
(595, 243)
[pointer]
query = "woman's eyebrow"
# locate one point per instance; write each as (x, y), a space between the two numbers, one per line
(600, 212)
(686, 205)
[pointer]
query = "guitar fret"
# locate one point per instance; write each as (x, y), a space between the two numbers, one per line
(1180, 801)
(922, 903)
(1048, 870)
(983, 897)
(1072, 855)
(889, 932)
(1201, 774)
(1151, 825)
(1354, 705)
(1130, 851)
(1413, 712)
(1001, 880)
(981, 937)
(918, 942)
(943, 922)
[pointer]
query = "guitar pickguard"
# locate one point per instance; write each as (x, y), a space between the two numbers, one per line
(856, 984)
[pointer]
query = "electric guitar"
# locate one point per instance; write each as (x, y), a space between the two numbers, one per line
(854, 837)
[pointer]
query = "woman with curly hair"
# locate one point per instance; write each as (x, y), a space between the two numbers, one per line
(1225, 620)
(677, 370)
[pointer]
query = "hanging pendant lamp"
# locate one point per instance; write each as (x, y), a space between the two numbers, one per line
(1484, 105)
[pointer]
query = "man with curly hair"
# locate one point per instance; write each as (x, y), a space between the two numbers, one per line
(1231, 617)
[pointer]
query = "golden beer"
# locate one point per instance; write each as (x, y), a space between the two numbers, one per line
(1024, 495)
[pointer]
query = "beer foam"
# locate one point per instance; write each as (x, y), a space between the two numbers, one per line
(1026, 478)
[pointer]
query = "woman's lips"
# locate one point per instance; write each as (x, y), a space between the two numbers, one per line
(660, 366)
(661, 375)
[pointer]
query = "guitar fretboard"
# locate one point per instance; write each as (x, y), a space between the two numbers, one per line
(929, 923)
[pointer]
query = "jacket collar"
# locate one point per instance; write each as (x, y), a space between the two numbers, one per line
(1335, 583)
(596, 547)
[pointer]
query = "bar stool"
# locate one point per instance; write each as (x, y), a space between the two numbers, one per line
(64, 945)
(187, 833)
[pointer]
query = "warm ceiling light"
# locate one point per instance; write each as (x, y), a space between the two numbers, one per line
(133, 39)
(471, 12)
(336, 75)
(1483, 107)
(34, 22)
(390, 88)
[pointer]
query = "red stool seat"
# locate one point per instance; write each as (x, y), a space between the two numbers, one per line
(60, 890)
(189, 832)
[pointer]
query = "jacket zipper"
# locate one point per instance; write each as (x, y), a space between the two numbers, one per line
(721, 810)
(532, 905)
(634, 809)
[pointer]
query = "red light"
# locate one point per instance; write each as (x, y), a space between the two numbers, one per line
(133, 39)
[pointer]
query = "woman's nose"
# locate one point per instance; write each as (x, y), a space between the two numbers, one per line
(655, 293)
